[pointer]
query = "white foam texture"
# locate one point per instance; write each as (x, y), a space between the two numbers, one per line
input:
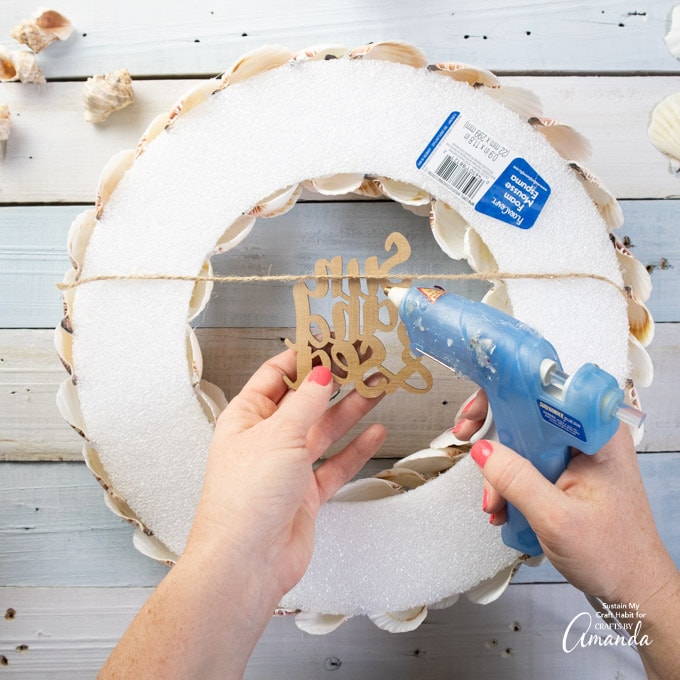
(286, 125)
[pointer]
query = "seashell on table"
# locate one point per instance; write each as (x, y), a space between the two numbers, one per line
(132, 359)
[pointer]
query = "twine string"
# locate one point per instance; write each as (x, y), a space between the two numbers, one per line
(295, 278)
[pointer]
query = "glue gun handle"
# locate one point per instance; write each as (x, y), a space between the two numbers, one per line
(516, 532)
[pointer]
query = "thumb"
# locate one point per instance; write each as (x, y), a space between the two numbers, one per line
(302, 408)
(516, 479)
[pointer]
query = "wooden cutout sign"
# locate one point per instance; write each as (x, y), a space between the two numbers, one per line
(348, 345)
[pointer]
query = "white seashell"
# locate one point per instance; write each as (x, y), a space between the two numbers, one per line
(202, 291)
(402, 476)
(235, 234)
(672, 38)
(445, 603)
(278, 203)
(195, 96)
(4, 122)
(369, 188)
(155, 127)
(215, 396)
(465, 73)
(320, 53)
(478, 254)
(405, 193)
(448, 228)
(112, 173)
(150, 546)
(419, 210)
(491, 590)
(603, 199)
(104, 94)
(569, 143)
(518, 99)
(431, 461)
(79, 235)
(254, 62)
(639, 319)
(63, 343)
(641, 366)
(68, 295)
(635, 274)
(664, 127)
(68, 404)
(46, 26)
(497, 297)
(368, 489)
(194, 356)
(400, 622)
(319, 624)
(335, 185)
(19, 65)
(391, 50)
(208, 404)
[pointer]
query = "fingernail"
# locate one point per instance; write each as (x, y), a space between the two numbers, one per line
(492, 518)
(481, 451)
(457, 427)
(320, 375)
(467, 406)
(485, 499)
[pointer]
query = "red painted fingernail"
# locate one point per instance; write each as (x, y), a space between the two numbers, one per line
(481, 451)
(457, 427)
(485, 499)
(467, 406)
(320, 375)
(492, 518)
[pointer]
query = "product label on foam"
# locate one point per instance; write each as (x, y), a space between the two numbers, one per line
(474, 166)
(562, 420)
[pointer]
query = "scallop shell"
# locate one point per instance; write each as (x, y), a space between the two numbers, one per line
(319, 624)
(336, 185)
(400, 622)
(19, 65)
(254, 62)
(151, 547)
(112, 173)
(235, 234)
(391, 50)
(518, 99)
(497, 297)
(491, 590)
(478, 254)
(429, 462)
(635, 274)
(4, 122)
(104, 94)
(369, 188)
(569, 143)
(155, 127)
(404, 477)
(320, 53)
(641, 366)
(639, 319)
(368, 489)
(278, 203)
(79, 236)
(63, 343)
(404, 193)
(46, 26)
(664, 128)
(465, 73)
(195, 96)
(448, 228)
(202, 291)
(446, 602)
(68, 404)
(672, 38)
(603, 199)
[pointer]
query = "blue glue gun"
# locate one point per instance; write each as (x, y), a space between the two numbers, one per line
(539, 411)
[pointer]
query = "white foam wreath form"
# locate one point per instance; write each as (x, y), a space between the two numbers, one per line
(147, 430)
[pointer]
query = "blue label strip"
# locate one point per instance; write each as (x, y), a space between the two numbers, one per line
(562, 421)
(427, 152)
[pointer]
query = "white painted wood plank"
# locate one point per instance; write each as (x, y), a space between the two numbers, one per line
(154, 38)
(56, 531)
(32, 429)
(66, 634)
(33, 257)
(54, 155)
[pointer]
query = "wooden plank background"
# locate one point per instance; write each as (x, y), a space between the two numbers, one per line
(70, 580)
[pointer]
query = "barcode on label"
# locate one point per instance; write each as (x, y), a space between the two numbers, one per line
(459, 176)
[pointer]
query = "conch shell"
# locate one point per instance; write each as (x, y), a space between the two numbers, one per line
(46, 26)
(18, 65)
(104, 94)
(4, 122)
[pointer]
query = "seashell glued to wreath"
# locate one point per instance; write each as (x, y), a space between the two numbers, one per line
(46, 26)
(104, 94)
(20, 65)
(414, 537)
(4, 122)
(664, 129)
(672, 38)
